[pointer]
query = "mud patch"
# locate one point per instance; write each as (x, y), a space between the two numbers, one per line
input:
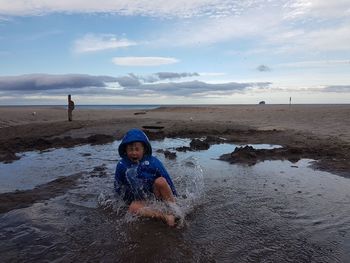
(326, 161)
(249, 155)
(21, 199)
(168, 154)
(10, 147)
(201, 144)
(154, 132)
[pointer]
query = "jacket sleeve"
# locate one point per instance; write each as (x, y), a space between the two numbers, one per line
(161, 171)
(119, 178)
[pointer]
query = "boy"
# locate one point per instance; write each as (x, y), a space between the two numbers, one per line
(142, 176)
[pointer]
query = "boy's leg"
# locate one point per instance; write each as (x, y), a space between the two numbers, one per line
(140, 208)
(162, 190)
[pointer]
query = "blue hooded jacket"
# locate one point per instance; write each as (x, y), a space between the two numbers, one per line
(136, 180)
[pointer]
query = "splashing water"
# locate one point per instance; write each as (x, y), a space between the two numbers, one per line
(188, 178)
(190, 184)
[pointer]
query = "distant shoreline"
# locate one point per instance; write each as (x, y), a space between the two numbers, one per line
(155, 106)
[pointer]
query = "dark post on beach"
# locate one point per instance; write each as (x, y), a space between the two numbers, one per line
(70, 108)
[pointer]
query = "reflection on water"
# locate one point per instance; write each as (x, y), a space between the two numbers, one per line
(35, 168)
(274, 211)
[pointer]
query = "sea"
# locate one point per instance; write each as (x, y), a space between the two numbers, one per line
(144, 106)
(95, 106)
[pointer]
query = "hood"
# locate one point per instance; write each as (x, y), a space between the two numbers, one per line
(134, 135)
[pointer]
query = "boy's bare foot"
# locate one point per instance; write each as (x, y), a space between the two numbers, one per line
(170, 220)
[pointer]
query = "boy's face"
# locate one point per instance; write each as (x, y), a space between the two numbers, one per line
(135, 151)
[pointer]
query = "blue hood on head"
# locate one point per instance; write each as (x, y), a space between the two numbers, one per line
(134, 135)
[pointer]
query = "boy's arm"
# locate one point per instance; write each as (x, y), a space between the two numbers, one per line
(119, 177)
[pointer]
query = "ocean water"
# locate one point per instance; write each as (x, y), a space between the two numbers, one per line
(274, 211)
(122, 107)
(94, 106)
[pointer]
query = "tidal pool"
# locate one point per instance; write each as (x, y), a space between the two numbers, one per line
(274, 211)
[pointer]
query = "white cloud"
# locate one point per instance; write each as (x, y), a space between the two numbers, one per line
(156, 8)
(268, 31)
(143, 61)
(93, 43)
(317, 8)
(316, 64)
(290, 25)
(175, 8)
(216, 30)
(212, 74)
(330, 38)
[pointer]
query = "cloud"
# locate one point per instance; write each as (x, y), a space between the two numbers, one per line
(337, 89)
(199, 88)
(314, 25)
(128, 81)
(193, 89)
(212, 74)
(93, 43)
(159, 76)
(38, 82)
(143, 61)
(272, 27)
(172, 75)
(263, 68)
(177, 8)
(327, 39)
(218, 30)
(313, 90)
(317, 8)
(316, 64)
(324, 37)
(157, 8)
(130, 85)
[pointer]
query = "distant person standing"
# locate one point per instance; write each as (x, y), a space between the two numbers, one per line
(70, 108)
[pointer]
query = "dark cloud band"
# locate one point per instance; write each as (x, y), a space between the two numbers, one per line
(129, 85)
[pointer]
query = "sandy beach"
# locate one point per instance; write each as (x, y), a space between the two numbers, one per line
(272, 203)
(319, 132)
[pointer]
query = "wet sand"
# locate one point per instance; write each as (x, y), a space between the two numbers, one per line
(319, 132)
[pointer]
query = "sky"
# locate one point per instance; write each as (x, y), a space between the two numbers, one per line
(174, 52)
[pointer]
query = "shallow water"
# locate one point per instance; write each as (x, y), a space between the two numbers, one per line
(274, 211)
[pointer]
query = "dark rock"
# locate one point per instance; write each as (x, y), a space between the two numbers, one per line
(183, 149)
(140, 112)
(169, 155)
(197, 144)
(8, 157)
